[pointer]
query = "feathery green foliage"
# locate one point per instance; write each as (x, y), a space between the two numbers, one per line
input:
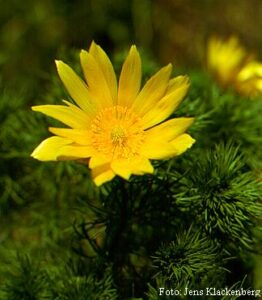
(26, 282)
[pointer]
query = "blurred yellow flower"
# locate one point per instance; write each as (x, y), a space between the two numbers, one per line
(233, 67)
(118, 128)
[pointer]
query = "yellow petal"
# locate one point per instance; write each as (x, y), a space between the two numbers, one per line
(106, 67)
(96, 80)
(164, 107)
(71, 116)
(130, 78)
(76, 87)
(102, 174)
(251, 87)
(126, 167)
(182, 143)
(213, 48)
(141, 165)
(98, 160)
(49, 148)
(168, 130)
(165, 150)
(121, 169)
(225, 58)
(157, 150)
(75, 152)
(259, 84)
(250, 70)
(79, 136)
(153, 91)
(176, 83)
(87, 115)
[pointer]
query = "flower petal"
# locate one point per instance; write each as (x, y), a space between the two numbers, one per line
(165, 150)
(182, 143)
(225, 58)
(106, 67)
(49, 148)
(153, 90)
(157, 150)
(98, 160)
(74, 152)
(168, 130)
(176, 83)
(76, 87)
(130, 78)
(79, 136)
(71, 116)
(121, 169)
(126, 167)
(58, 148)
(96, 80)
(164, 107)
(102, 174)
(251, 70)
(141, 166)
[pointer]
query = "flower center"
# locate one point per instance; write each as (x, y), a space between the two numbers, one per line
(118, 135)
(117, 132)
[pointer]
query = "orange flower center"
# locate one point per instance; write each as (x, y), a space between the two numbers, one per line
(117, 132)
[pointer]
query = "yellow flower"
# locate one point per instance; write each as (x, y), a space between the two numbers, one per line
(118, 128)
(233, 67)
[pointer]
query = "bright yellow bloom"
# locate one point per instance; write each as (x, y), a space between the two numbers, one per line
(233, 67)
(118, 128)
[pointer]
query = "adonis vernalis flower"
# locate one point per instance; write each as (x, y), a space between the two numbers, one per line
(233, 67)
(118, 128)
